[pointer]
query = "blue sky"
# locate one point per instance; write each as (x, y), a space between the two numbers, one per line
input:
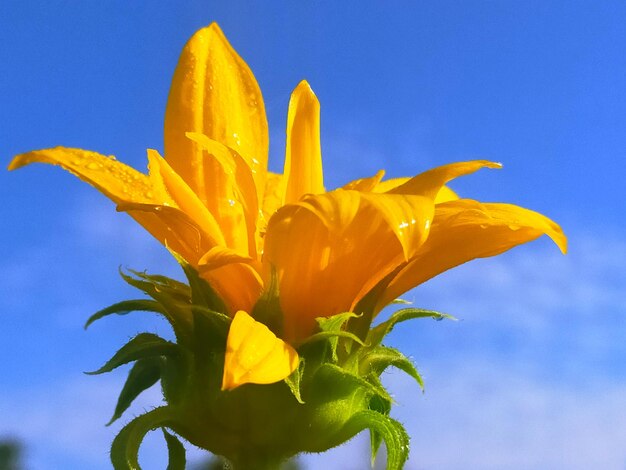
(534, 374)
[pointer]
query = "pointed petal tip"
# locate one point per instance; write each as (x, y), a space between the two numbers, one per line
(17, 162)
(207, 31)
(489, 164)
(304, 86)
(560, 239)
(304, 90)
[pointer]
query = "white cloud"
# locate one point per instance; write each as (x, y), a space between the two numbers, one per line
(66, 421)
(484, 415)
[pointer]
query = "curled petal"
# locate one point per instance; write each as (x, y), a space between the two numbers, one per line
(255, 355)
(238, 284)
(430, 182)
(219, 256)
(366, 184)
(328, 251)
(465, 229)
(303, 159)
(408, 216)
(374, 184)
(214, 93)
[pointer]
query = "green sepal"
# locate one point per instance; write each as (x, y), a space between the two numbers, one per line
(125, 447)
(142, 346)
(174, 297)
(175, 451)
(331, 373)
(125, 307)
(294, 381)
(218, 321)
(201, 291)
(158, 287)
(382, 406)
(392, 432)
(377, 333)
(332, 328)
(335, 322)
(143, 375)
(166, 283)
(334, 337)
(377, 359)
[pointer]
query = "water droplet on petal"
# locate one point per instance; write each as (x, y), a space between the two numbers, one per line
(94, 166)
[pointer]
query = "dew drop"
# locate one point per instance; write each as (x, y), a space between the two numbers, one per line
(94, 166)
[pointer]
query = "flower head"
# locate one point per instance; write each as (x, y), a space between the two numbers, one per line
(281, 252)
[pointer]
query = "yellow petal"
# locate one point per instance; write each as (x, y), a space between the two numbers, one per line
(214, 93)
(238, 284)
(366, 184)
(219, 256)
(409, 217)
(234, 200)
(430, 182)
(163, 176)
(172, 227)
(235, 279)
(463, 230)
(117, 181)
(375, 185)
(255, 355)
(303, 159)
(328, 251)
(445, 194)
(409, 207)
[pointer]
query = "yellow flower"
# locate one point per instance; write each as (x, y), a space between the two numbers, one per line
(353, 249)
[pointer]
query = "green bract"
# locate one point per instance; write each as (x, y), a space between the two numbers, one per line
(334, 394)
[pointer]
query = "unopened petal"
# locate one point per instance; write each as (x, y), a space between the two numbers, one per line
(214, 93)
(255, 355)
(303, 158)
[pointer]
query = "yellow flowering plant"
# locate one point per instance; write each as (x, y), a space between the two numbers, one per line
(275, 351)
